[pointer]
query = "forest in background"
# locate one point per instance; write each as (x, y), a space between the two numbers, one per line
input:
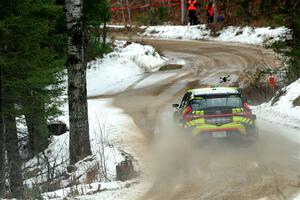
(235, 12)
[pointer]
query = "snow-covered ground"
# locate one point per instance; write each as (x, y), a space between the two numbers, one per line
(246, 35)
(120, 69)
(282, 112)
(199, 32)
(113, 134)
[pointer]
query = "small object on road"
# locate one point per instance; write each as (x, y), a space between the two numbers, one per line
(225, 79)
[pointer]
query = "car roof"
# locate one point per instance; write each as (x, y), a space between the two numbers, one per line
(214, 91)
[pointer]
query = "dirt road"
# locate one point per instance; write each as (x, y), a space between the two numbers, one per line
(270, 168)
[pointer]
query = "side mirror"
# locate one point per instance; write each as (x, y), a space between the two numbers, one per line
(176, 105)
(253, 117)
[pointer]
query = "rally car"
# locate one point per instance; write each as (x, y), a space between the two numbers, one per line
(216, 112)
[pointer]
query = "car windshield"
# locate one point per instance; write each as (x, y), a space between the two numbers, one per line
(204, 102)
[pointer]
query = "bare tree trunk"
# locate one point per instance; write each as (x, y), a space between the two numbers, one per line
(123, 14)
(129, 13)
(227, 8)
(2, 143)
(182, 12)
(104, 33)
(246, 11)
(215, 11)
(13, 156)
(77, 94)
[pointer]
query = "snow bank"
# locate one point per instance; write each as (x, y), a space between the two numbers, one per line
(283, 111)
(111, 132)
(120, 69)
(246, 35)
(199, 32)
(103, 191)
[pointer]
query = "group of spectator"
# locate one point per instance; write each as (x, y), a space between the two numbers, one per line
(192, 8)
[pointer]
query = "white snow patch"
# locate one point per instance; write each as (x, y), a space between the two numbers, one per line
(283, 112)
(249, 35)
(121, 68)
(246, 35)
(85, 189)
(199, 32)
(110, 130)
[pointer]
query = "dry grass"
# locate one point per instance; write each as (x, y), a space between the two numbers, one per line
(279, 94)
(91, 175)
(32, 173)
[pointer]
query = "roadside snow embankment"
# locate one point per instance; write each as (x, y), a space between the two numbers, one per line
(199, 32)
(120, 69)
(256, 36)
(246, 35)
(282, 111)
(110, 130)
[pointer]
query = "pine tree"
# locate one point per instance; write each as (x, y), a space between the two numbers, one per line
(97, 15)
(293, 9)
(2, 143)
(291, 48)
(34, 61)
(13, 157)
(104, 12)
(32, 54)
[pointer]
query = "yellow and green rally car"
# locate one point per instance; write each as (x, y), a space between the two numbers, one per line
(216, 112)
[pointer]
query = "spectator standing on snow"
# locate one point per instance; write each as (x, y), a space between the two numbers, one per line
(210, 13)
(192, 8)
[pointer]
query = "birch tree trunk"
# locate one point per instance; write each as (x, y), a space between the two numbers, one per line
(77, 93)
(123, 14)
(182, 12)
(13, 156)
(227, 8)
(129, 13)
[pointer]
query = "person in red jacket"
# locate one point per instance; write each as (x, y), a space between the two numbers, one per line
(192, 8)
(210, 12)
